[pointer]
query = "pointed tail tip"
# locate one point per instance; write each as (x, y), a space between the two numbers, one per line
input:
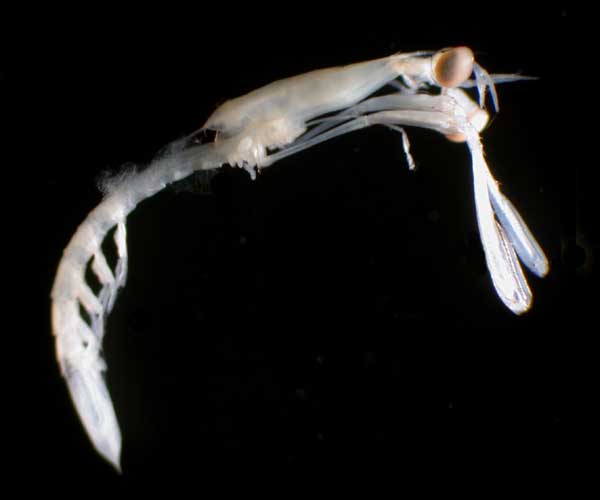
(115, 461)
(117, 466)
(110, 450)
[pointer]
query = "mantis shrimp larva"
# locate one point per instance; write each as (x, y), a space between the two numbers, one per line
(253, 132)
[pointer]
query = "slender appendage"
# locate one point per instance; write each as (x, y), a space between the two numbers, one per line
(528, 249)
(432, 112)
(505, 270)
(485, 81)
(405, 147)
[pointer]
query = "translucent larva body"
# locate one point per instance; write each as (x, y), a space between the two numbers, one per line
(275, 115)
(257, 130)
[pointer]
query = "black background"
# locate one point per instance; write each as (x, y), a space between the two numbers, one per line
(336, 315)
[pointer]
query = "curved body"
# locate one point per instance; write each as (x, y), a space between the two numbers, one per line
(257, 130)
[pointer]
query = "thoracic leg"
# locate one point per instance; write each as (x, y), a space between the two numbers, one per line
(444, 123)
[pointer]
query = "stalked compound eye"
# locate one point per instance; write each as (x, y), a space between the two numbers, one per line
(452, 66)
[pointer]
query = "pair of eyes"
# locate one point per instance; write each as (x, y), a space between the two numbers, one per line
(451, 67)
